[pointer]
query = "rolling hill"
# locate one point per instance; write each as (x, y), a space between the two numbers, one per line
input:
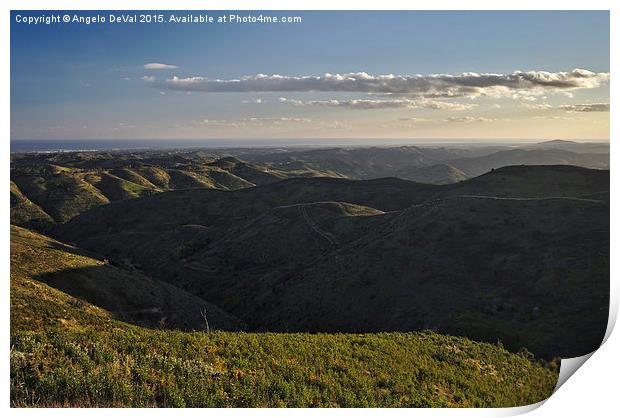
(472, 167)
(62, 185)
(434, 174)
(126, 295)
(382, 255)
(69, 348)
(435, 164)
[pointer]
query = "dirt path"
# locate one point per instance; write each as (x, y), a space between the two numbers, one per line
(313, 225)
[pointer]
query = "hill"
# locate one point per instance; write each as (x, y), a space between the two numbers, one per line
(66, 351)
(383, 255)
(434, 174)
(434, 164)
(53, 188)
(479, 165)
(535, 181)
(137, 368)
(126, 295)
(579, 147)
(63, 185)
(24, 212)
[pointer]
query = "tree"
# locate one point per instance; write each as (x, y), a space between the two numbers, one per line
(203, 313)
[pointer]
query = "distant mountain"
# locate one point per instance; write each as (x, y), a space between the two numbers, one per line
(557, 142)
(579, 147)
(492, 257)
(434, 174)
(368, 163)
(479, 165)
(435, 165)
(62, 185)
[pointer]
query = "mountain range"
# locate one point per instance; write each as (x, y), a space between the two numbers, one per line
(301, 276)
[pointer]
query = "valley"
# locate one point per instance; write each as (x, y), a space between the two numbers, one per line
(277, 249)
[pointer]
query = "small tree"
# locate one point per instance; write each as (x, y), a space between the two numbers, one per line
(203, 313)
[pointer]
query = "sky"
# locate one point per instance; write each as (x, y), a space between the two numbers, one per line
(386, 75)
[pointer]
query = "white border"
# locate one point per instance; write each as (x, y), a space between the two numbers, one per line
(592, 391)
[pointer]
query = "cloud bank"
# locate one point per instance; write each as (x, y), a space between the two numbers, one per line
(590, 107)
(159, 66)
(470, 119)
(366, 104)
(425, 86)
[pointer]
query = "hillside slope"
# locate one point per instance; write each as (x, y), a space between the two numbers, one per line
(24, 212)
(129, 296)
(434, 174)
(545, 156)
(295, 256)
(129, 367)
(66, 351)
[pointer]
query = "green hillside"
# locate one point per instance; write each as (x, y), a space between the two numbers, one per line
(124, 294)
(126, 366)
(66, 351)
(461, 259)
(24, 212)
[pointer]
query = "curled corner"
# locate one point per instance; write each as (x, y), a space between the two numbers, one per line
(570, 365)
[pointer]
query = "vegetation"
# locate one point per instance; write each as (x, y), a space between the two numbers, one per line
(60, 186)
(499, 254)
(126, 295)
(381, 292)
(66, 351)
(134, 367)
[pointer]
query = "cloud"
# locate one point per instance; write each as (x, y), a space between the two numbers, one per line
(366, 104)
(148, 78)
(275, 123)
(426, 86)
(470, 119)
(159, 66)
(252, 122)
(411, 119)
(537, 106)
(124, 125)
(553, 117)
(588, 107)
(255, 101)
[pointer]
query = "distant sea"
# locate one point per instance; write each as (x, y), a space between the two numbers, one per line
(60, 145)
(55, 145)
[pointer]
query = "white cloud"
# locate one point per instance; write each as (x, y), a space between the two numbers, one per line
(255, 101)
(159, 66)
(124, 125)
(470, 119)
(249, 122)
(148, 78)
(587, 107)
(366, 104)
(428, 86)
(537, 106)
(275, 123)
(552, 117)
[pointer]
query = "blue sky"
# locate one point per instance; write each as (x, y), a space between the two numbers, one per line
(90, 81)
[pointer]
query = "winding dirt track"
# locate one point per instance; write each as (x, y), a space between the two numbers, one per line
(310, 222)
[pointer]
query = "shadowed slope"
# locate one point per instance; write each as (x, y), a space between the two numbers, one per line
(129, 296)
(287, 257)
